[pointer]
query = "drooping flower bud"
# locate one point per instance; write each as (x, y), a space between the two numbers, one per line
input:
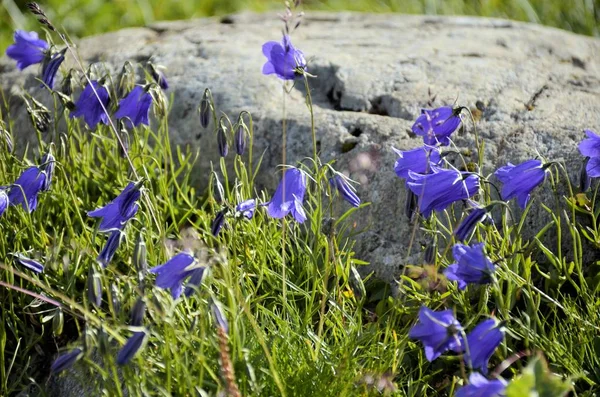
(222, 141)
(218, 223)
(65, 361)
(48, 163)
(137, 313)
(205, 109)
(240, 138)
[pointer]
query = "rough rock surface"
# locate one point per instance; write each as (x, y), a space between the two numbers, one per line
(538, 87)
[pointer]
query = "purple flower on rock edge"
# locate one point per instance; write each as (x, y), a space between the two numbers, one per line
(135, 107)
(172, 273)
(247, 208)
(479, 386)
(519, 180)
(50, 68)
(417, 160)
(436, 125)
(47, 165)
(26, 188)
(111, 246)
(116, 213)
(482, 342)
(442, 187)
(65, 361)
(472, 265)
(89, 107)
(590, 147)
(438, 331)
(346, 191)
(4, 202)
(294, 185)
(468, 224)
(283, 59)
(131, 347)
(31, 264)
(28, 49)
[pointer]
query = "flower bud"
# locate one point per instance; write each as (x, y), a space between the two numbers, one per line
(65, 361)
(222, 141)
(240, 139)
(205, 109)
(218, 223)
(137, 313)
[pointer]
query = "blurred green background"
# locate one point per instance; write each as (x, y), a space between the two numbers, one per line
(86, 17)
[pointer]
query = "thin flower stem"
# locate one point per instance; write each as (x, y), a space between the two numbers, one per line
(283, 228)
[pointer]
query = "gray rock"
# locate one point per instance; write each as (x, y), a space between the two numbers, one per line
(375, 73)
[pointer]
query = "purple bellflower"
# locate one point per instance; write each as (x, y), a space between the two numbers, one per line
(50, 68)
(441, 188)
(26, 188)
(217, 223)
(590, 147)
(196, 278)
(112, 244)
(89, 107)
(438, 331)
(339, 182)
(131, 347)
(479, 386)
(519, 180)
(240, 140)
(294, 185)
(30, 264)
(417, 160)
(158, 76)
(47, 166)
(28, 49)
(135, 107)
(3, 201)
(472, 265)
(65, 361)
(468, 224)
(246, 208)
(283, 59)
(483, 341)
(436, 125)
(116, 213)
(137, 313)
(172, 273)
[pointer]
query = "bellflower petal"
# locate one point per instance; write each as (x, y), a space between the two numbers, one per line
(468, 224)
(247, 208)
(116, 213)
(172, 273)
(131, 347)
(283, 59)
(436, 125)
(137, 313)
(3, 201)
(417, 160)
(196, 277)
(590, 147)
(479, 386)
(28, 49)
(26, 188)
(593, 167)
(89, 107)
(47, 166)
(483, 341)
(66, 361)
(294, 184)
(217, 223)
(50, 68)
(339, 182)
(441, 188)
(31, 264)
(438, 331)
(135, 107)
(519, 180)
(112, 244)
(472, 265)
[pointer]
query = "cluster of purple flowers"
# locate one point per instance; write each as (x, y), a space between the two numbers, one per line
(440, 332)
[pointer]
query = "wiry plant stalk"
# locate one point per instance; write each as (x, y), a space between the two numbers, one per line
(226, 364)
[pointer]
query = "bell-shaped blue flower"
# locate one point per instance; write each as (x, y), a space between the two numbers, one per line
(348, 194)
(28, 49)
(131, 347)
(246, 208)
(135, 107)
(196, 277)
(519, 180)
(436, 125)
(483, 341)
(111, 246)
(283, 59)
(26, 188)
(31, 264)
(479, 386)
(442, 187)
(417, 160)
(590, 147)
(66, 361)
(89, 107)
(467, 226)
(3, 201)
(294, 185)
(438, 331)
(50, 68)
(116, 213)
(172, 273)
(472, 265)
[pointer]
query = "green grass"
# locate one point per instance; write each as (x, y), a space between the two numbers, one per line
(301, 322)
(86, 17)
